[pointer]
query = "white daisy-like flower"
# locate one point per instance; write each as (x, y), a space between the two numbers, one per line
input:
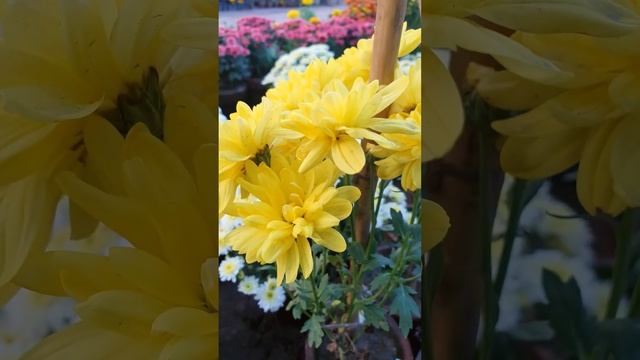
(224, 250)
(230, 267)
(297, 60)
(270, 299)
(249, 285)
(221, 115)
(271, 283)
(393, 198)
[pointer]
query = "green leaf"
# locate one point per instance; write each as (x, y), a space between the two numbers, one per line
(356, 252)
(566, 314)
(405, 307)
(399, 225)
(619, 338)
(380, 281)
(374, 316)
(313, 326)
(383, 261)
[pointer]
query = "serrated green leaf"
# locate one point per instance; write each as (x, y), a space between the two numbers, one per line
(382, 261)
(380, 281)
(405, 307)
(374, 316)
(313, 326)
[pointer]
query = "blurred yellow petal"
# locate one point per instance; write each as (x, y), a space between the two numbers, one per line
(443, 112)
(435, 224)
(123, 311)
(541, 157)
(625, 160)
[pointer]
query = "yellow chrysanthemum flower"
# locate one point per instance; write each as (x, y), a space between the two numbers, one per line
(314, 20)
(404, 158)
(356, 61)
(306, 2)
(590, 118)
(331, 126)
(336, 12)
(293, 14)
(159, 299)
(248, 136)
(64, 64)
(287, 208)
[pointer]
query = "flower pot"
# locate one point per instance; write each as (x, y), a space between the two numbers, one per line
(229, 97)
(255, 91)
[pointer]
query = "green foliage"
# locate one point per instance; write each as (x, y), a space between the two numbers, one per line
(306, 13)
(233, 71)
(583, 336)
(313, 326)
(405, 307)
(363, 286)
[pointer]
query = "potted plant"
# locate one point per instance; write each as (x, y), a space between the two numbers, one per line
(258, 35)
(234, 69)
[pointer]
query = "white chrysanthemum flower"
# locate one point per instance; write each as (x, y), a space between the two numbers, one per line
(221, 115)
(406, 62)
(226, 224)
(271, 283)
(223, 250)
(230, 268)
(249, 285)
(297, 60)
(28, 317)
(529, 270)
(270, 299)
(393, 198)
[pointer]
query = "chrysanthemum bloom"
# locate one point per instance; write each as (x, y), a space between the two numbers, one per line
(155, 300)
(314, 20)
(404, 158)
(293, 14)
(289, 209)
(589, 118)
(331, 126)
(336, 12)
(248, 137)
(63, 65)
(249, 285)
(270, 299)
(230, 268)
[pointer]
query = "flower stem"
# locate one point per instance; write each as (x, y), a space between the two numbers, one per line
(430, 281)
(486, 225)
(624, 233)
(517, 204)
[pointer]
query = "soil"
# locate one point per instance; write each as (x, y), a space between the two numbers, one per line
(247, 333)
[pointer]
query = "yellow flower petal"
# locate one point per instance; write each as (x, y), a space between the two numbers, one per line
(348, 155)
(435, 224)
(444, 117)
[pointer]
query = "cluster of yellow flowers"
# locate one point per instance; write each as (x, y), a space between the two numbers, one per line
(580, 89)
(287, 152)
(587, 115)
(104, 102)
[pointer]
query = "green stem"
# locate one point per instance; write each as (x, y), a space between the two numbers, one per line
(415, 211)
(485, 238)
(430, 281)
(624, 232)
(316, 298)
(516, 207)
(634, 306)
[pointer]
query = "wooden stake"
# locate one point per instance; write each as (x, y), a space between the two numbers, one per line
(386, 42)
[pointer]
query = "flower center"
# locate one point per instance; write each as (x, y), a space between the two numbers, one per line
(141, 102)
